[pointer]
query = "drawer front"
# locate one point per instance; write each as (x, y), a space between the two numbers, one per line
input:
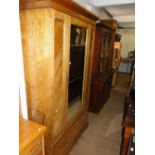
(74, 133)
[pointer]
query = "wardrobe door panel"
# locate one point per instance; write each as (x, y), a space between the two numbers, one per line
(58, 106)
(61, 26)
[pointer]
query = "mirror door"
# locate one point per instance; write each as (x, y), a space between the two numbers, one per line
(76, 69)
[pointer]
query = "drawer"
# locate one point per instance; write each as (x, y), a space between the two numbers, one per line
(74, 133)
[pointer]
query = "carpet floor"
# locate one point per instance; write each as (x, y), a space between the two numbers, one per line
(103, 135)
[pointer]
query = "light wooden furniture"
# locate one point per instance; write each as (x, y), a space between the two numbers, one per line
(57, 38)
(102, 72)
(31, 138)
(116, 57)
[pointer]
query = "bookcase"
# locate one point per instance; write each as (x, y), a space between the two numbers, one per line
(102, 72)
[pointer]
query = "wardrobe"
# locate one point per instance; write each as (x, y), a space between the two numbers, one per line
(102, 71)
(57, 42)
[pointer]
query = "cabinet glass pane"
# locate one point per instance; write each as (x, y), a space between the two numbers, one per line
(105, 53)
(76, 69)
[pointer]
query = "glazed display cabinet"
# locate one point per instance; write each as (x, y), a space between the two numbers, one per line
(102, 73)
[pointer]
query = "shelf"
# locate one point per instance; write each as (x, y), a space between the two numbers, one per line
(78, 45)
(75, 79)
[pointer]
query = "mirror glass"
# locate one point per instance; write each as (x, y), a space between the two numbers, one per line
(76, 69)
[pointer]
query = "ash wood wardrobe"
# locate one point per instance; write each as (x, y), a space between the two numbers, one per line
(57, 41)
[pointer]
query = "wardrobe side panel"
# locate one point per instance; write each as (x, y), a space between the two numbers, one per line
(37, 42)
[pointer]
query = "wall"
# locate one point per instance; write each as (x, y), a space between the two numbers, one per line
(84, 3)
(128, 41)
(98, 12)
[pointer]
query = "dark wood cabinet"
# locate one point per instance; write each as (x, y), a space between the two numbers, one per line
(102, 72)
(128, 123)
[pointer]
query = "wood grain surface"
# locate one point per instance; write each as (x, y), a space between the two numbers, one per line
(46, 52)
(29, 133)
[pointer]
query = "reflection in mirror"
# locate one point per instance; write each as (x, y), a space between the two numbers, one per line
(76, 68)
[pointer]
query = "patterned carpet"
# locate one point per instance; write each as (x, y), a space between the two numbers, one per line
(103, 135)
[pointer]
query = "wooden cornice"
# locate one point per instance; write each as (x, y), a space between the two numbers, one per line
(109, 24)
(66, 6)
